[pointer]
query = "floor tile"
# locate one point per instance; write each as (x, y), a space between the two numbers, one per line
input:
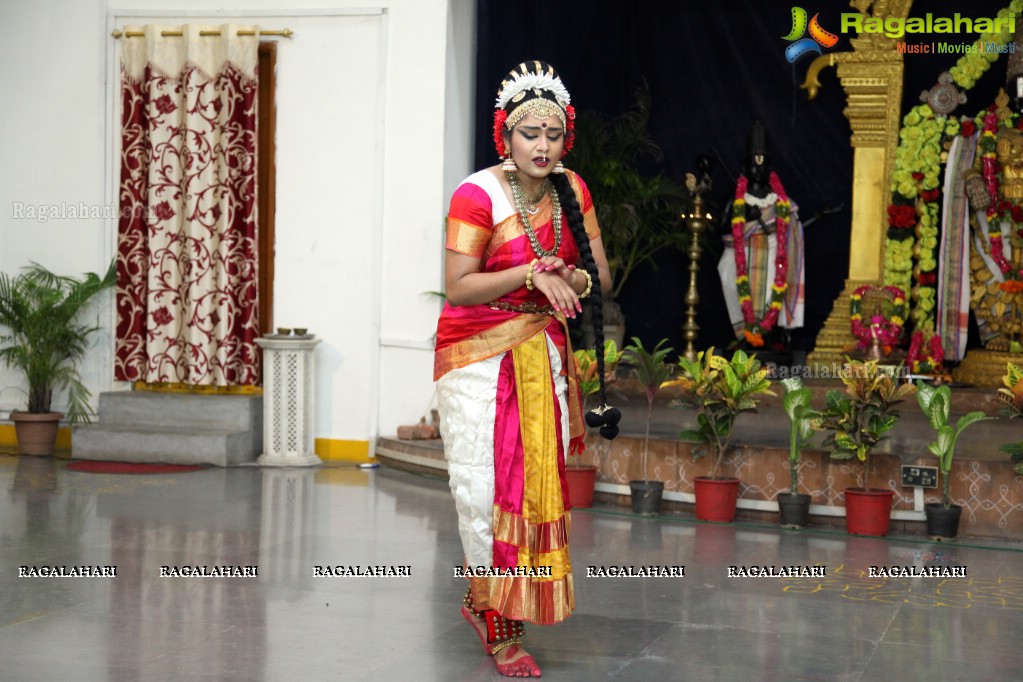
(287, 622)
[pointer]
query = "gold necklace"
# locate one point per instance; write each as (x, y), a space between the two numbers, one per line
(530, 203)
(521, 206)
(538, 197)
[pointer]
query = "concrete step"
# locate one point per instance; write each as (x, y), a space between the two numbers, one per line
(175, 428)
(165, 444)
(188, 410)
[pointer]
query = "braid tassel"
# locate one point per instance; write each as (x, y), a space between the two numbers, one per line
(605, 417)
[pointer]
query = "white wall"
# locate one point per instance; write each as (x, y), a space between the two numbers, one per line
(53, 65)
(410, 313)
(373, 134)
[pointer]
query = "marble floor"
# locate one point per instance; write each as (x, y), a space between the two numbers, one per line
(285, 623)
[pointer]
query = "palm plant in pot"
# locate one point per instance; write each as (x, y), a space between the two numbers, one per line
(936, 403)
(44, 339)
(652, 371)
(582, 477)
(720, 390)
(858, 420)
(793, 506)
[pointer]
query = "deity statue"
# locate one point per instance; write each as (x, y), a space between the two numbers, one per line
(1009, 151)
(981, 260)
(763, 284)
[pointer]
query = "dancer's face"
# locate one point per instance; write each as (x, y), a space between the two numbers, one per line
(536, 145)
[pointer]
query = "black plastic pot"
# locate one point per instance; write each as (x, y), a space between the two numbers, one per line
(794, 510)
(942, 523)
(646, 497)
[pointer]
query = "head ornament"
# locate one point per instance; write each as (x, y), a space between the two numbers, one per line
(532, 87)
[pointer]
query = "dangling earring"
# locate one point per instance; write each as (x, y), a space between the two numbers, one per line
(509, 164)
(558, 168)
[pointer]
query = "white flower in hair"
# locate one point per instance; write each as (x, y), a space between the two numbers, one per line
(534, 81)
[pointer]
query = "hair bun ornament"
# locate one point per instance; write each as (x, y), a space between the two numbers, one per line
(606, 418)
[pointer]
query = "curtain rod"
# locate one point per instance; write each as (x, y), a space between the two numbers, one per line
(285, 32)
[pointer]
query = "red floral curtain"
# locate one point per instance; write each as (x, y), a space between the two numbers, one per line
(186, 253)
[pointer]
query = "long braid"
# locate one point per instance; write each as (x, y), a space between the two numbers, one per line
(574, 216)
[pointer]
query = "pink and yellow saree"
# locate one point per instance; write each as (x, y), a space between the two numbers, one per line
(510, 411)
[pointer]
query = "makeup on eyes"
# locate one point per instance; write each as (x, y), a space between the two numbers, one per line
(553, 134)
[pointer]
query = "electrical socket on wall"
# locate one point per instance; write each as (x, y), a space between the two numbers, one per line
(924, 477)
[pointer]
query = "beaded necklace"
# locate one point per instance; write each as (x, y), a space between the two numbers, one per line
(521, 205)
(545, 186)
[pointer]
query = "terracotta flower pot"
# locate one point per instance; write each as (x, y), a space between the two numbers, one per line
(581, 481)
(868, 512)
(716, 498)
(37, 433)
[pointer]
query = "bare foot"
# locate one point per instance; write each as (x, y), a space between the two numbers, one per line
(511, 661)
(514, 661)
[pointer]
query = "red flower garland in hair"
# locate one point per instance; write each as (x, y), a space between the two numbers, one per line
(569, 129)
(755, 329)
(500, 116)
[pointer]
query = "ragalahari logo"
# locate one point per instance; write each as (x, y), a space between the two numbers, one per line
(799, 45)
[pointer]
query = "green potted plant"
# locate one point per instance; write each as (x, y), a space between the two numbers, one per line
(858, 420)
(720, 390)
(793, 506)
(582, 477)
(651, 370)
(44, 339)
(638, 212)
(1012, 396)
(936, 403)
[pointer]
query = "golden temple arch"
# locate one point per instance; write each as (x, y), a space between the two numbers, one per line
(871, 75)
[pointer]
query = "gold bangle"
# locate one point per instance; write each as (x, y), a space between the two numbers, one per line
(589, 283)
(529, 274)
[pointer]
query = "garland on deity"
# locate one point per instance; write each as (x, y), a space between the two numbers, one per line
(999, 209)
(925, 356)
(913, 213)
(887, 330)
(756, 329)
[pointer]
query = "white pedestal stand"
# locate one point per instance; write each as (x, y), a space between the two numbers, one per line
(287, 402)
